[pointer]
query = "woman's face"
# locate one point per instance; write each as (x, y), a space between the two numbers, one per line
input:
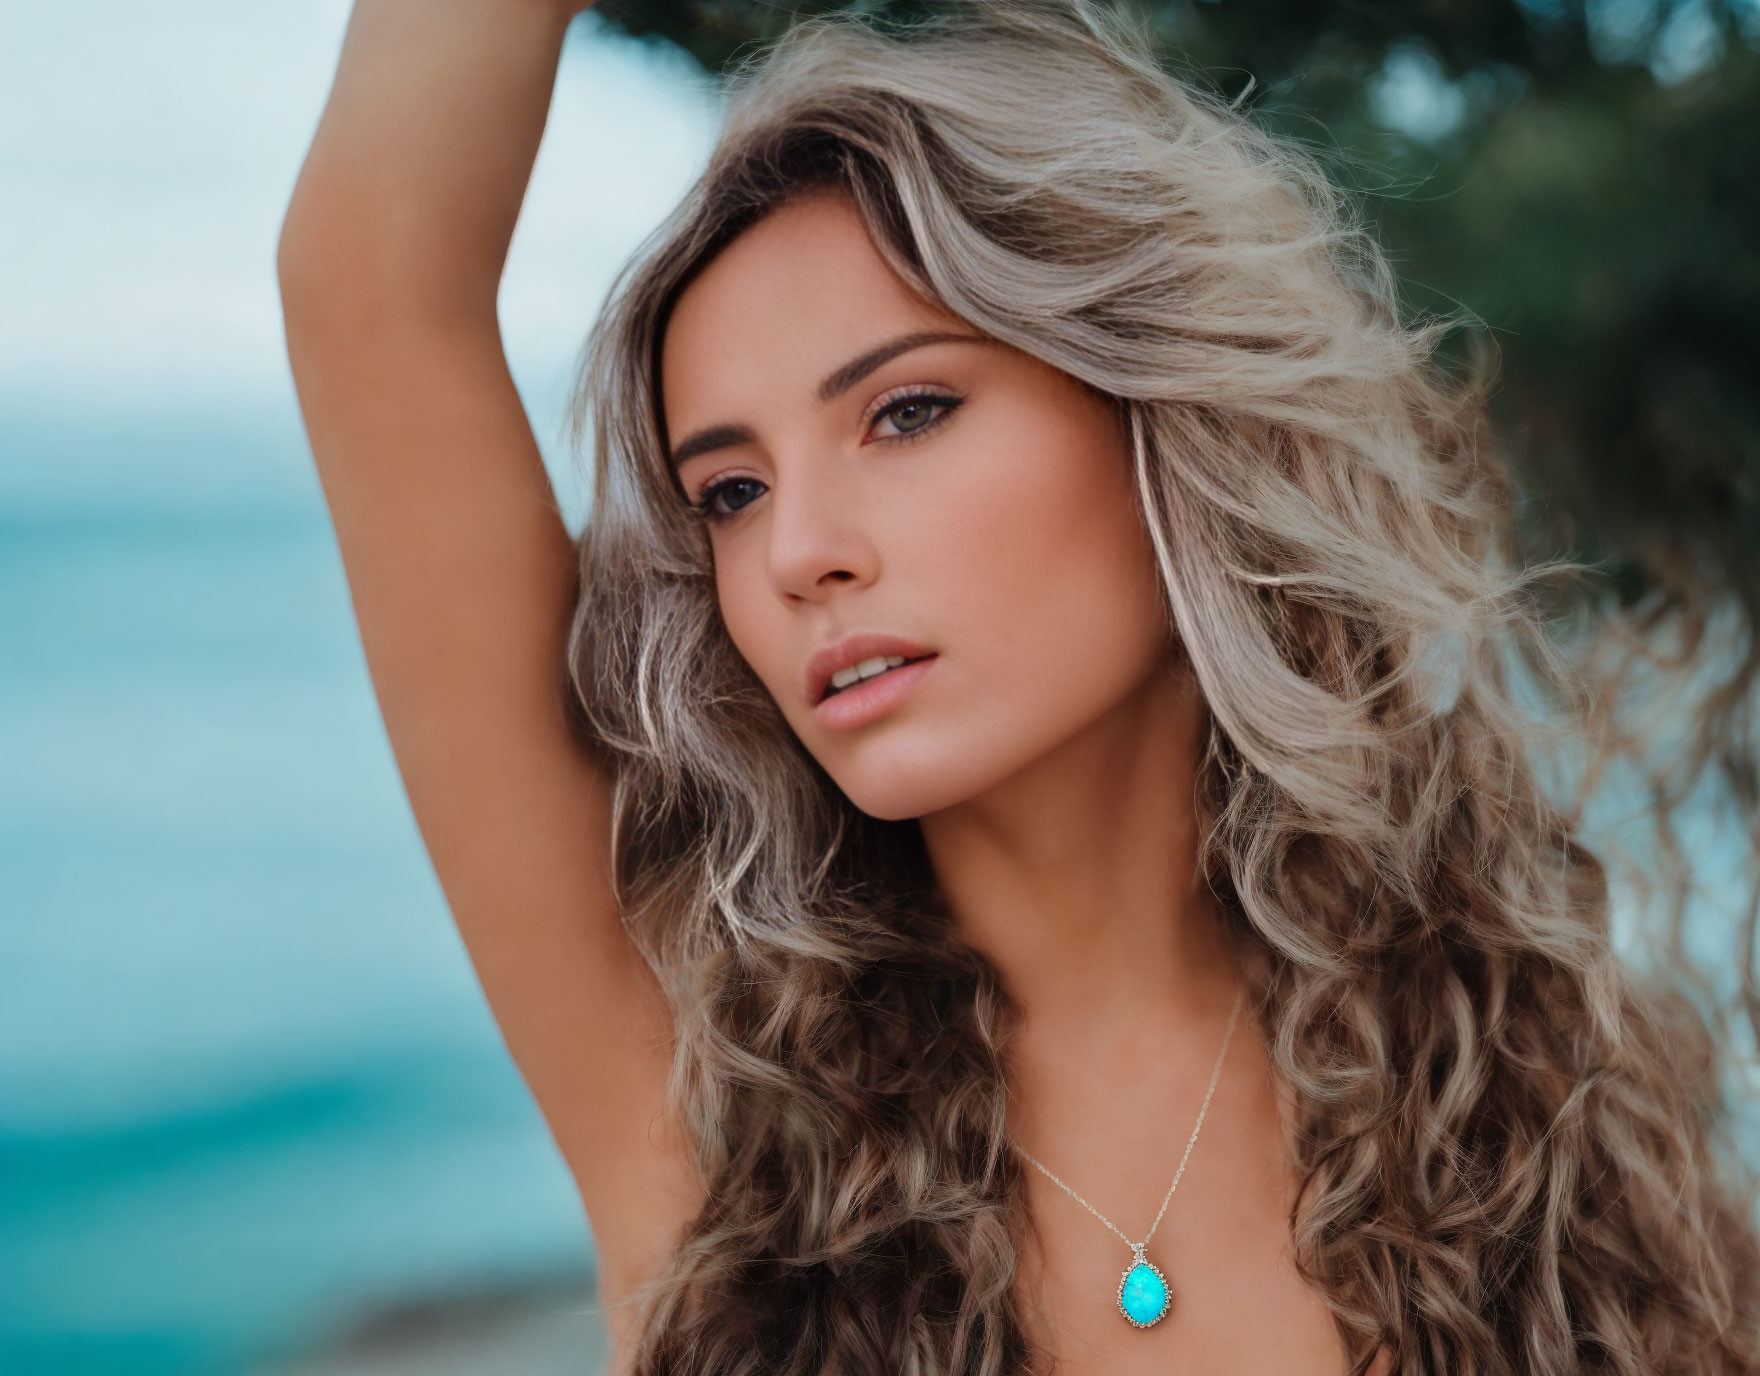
(967, 506)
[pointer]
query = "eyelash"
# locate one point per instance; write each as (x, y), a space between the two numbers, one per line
(704, 505)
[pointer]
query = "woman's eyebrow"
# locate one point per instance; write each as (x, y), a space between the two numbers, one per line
(835, 385)
(856, 369)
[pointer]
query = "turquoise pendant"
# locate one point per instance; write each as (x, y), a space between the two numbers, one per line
(1142, 1291)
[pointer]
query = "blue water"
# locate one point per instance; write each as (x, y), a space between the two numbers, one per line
(248, 1085)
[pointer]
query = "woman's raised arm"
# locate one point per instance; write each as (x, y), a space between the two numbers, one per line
(461, 571)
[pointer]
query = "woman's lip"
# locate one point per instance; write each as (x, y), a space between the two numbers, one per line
(849, 649)
(873, 697)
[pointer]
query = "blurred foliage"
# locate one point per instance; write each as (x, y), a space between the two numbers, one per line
(1581, 175)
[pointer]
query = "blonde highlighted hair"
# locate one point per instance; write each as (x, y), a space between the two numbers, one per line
(1506, 1135)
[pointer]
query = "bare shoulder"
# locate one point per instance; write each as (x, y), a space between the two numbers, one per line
(635, 1237)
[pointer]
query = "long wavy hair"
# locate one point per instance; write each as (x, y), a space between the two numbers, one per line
(1508, 1135)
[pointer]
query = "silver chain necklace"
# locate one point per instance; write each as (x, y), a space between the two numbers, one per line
(1143, 1297)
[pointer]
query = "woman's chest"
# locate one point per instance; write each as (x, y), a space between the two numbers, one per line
(1235, 1304)
(1235, 1300)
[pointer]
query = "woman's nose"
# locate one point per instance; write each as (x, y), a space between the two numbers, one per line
(819, 540)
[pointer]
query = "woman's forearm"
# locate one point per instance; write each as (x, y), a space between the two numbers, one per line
(409, 194)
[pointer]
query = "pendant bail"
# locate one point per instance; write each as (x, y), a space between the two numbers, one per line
(1137, 1256)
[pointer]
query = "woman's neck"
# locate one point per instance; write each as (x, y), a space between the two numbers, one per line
(1077, 877)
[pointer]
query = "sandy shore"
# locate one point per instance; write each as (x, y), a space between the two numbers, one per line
(546, 1334)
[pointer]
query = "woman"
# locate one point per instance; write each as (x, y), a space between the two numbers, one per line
(1042, 613)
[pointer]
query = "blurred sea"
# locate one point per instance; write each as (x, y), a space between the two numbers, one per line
(249, 1090)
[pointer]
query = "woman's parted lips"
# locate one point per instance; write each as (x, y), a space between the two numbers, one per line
(853, 649)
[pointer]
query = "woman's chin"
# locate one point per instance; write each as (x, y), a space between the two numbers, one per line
(890, 799)
(901, 786)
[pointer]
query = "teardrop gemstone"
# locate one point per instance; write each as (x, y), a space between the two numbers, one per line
(1142, 1295)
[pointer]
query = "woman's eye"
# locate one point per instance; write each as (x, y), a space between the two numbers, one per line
(709, 503)
(917, 413)
(911, 416)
